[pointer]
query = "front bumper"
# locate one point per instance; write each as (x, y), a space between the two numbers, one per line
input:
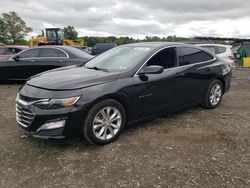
(32, 119)
(47, 134)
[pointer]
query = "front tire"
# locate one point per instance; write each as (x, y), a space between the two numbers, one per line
(213, 95)
(104, 122)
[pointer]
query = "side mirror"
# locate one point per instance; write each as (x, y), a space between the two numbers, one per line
(16, 58)
(152, 69)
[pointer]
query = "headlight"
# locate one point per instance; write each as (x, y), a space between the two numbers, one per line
(56, 103)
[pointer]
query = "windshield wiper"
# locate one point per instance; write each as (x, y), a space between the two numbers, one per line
(97, 68)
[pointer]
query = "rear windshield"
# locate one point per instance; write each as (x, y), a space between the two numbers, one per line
(215, 49)
(221, 49)
(80, 53)
(104, 46)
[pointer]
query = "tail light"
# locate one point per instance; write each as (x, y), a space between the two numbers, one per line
(232, 57)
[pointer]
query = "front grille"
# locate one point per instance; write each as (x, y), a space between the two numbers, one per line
(23, 115)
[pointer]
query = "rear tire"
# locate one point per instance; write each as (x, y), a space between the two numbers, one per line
(104, 122)
(214, 95)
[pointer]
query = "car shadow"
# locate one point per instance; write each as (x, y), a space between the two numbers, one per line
(12, 82)
(84, 145)
(60, 144)
(148, 122)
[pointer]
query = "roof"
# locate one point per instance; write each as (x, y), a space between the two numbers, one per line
(73, 52)
(213, 44)
(15, 46)
(224, 39)
(51, 46)
(155, 44)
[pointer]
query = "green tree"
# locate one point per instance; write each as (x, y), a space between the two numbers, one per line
(15, 27)
(70, 33)
(2, 32)
(92, 40)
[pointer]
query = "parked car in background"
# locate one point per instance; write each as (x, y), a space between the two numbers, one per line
(83, 48)
(8, 51)
(89, 50)
(38, 59)
(126, 84)
(102, 47)
(222, 51)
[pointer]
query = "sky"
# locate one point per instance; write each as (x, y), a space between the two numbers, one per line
(137, 18)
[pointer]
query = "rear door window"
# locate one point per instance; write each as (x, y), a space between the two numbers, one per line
(190, 55)
(52, 52)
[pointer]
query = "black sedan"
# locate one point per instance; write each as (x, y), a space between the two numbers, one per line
(119, 87)
(38, 59)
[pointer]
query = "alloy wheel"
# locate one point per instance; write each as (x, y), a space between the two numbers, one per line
(215, 94)
(107, 123)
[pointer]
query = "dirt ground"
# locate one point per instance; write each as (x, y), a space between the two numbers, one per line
(192, 148)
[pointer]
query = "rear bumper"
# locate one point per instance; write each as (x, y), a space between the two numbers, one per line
(227, 79)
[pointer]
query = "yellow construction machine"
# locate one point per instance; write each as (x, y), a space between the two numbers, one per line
(54, 36)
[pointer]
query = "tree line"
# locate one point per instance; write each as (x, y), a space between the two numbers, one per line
(92, 40)
(13, 30)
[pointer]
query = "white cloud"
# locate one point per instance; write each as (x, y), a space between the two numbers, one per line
(137, 18)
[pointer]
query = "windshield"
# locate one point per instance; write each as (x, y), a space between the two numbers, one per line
(119, 58)
(60, 34)
(51, 35)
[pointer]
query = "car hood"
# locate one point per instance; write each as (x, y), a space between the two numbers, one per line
(70, 78)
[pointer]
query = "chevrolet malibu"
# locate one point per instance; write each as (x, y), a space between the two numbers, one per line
(119, 87)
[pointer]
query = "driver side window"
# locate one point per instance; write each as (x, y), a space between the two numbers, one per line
(166, 58)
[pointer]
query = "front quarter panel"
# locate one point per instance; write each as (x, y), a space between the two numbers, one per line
(121, 90)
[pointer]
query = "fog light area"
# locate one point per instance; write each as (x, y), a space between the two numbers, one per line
(52, 125)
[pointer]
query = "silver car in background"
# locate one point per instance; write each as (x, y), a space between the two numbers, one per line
(222, 51)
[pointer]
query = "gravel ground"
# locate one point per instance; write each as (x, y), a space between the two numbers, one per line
(191, 148)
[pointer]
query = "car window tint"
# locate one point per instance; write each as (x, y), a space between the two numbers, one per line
(14, 50)
(29, 53)
(165, 58)
(120, 58)
(74, 52)
(51, 52)
(221, 49)
(61, 54)
(3, 51)
(210, 48)
(191, 55)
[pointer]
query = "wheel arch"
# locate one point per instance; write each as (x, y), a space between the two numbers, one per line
(221, 79)
(119, 98)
